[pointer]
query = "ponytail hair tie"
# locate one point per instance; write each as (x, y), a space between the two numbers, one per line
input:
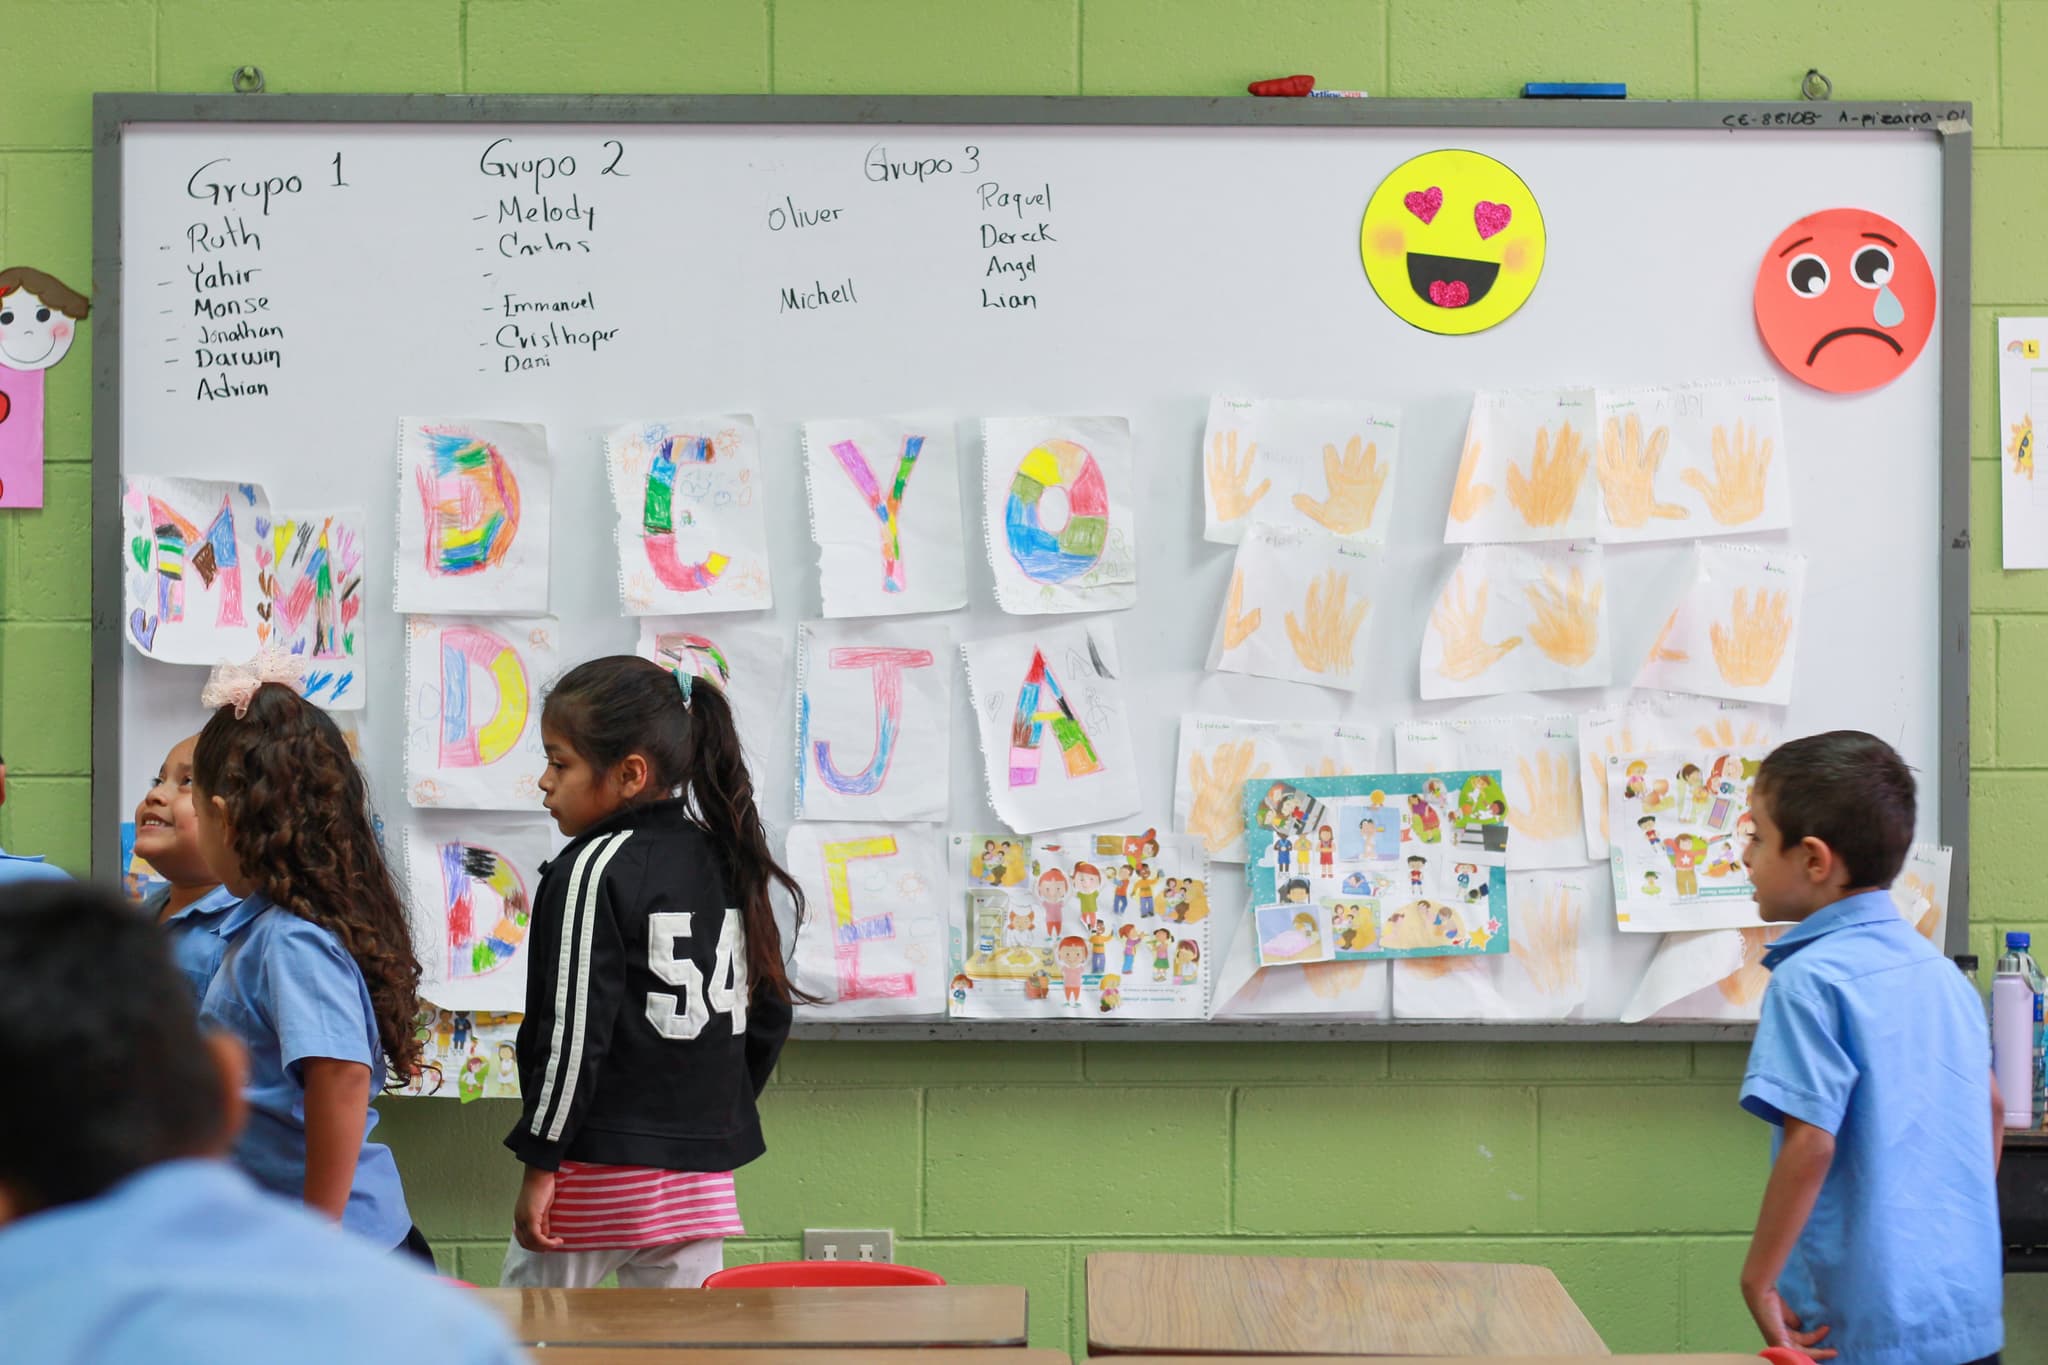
(236, 685)
(687, 681)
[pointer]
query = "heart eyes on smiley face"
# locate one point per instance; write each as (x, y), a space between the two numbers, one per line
(1487, 217)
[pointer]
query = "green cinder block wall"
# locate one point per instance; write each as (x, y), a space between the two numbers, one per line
(1625, 1167)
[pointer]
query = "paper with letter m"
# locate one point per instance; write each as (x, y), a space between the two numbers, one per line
(473, 510)
(873, 941)
(874, 719)
(885, 513)
(1055, 732)
(190, 573)
(472, 698)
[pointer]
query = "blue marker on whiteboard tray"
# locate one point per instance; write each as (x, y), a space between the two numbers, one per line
(1575, 90)
(1336, 94)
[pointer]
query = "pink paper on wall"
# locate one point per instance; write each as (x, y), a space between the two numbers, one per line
(21, 438)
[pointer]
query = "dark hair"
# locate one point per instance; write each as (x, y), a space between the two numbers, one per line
(302, 831)
(1849, 790)
(107, 1074)
(621, 705)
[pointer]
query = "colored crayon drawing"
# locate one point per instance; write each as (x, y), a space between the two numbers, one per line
(1057, 516)
(471, 502)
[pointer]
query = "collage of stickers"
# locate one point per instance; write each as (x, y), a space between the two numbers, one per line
(1377, 866)
(1091, 924)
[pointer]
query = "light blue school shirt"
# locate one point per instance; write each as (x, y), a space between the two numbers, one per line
(195, 933)
(1869, 1032)
(289, 990)
(187, 1263)
(17, 869)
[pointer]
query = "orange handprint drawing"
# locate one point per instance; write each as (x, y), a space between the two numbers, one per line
(1663, 652)
(1736, 494)
(1546, 942)
(1228, 473)
(1722, 734)
(1553, 799)
(1469, 498)
(1567, 624)
(1239, 625)
(1218, 780)
(1460, 623)
(1324, 642)
(1749, 648)
(1745, 985)
(1551, 489)
(1354, 483)
(1628, 473)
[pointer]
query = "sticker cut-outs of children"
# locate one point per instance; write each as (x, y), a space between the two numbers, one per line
(1132, 934)
(1087, 890)
(1185, 956)
(1685, 852)
(1162, 953)
(1098, 947)
(1112, 993)
(1073, 960)
(1052, 898)
(1326, 852)
(1416, 866)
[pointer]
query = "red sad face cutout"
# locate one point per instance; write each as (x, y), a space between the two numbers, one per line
(1845, 300)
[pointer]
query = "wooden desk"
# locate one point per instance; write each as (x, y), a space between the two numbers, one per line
(776, 1355)
(1716, 1358)
(749, 1319)
(1256, 1305)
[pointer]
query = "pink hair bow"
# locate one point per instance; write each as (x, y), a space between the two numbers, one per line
(235, 685)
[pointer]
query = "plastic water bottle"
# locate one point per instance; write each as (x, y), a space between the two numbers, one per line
(2012, 1039)
(2020, 943)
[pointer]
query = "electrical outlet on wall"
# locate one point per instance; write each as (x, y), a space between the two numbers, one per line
(849, 1244)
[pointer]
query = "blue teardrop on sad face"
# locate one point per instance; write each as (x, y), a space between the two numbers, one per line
(1890, 312)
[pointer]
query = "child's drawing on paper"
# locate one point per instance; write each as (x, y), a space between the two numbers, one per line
(1325, 463)
(1055, 735)
(39, 317)
(465, 1055)
(1685, 460)
(687, 499)
(1561, 952)
(311, 572)
(1093, 914)
(2022, 411)
(1297, 609)
(1537, 757)
(749, 663)
(1060, 501)
(1682, 868)
(1524, 475)
(1525, 618)
(873, 721)
(1733, 631)
(1921, 890)
(474, 505)
(472, 689)
(1669, 720)
(471, 880)
(190, 565)
(885, 514)
(874, 945)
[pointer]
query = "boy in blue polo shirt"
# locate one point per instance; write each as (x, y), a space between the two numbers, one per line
(123, 1235)
(1878, 1240)
(16, 868)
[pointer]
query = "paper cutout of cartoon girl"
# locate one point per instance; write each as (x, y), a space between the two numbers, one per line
(1112, 993)
(469, 1085)
(1073, 959)
(1427, 823)
(1132, 935)
(39, 317)
(1185, 956)
(1087, 891)
(1326, 852)
(1052, 897)
(1295, 892)
(1162, 953)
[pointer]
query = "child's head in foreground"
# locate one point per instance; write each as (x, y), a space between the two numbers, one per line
(108, 1073)
(1834, 815)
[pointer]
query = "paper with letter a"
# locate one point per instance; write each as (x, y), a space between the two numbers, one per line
(885, 514)
(1054, 728)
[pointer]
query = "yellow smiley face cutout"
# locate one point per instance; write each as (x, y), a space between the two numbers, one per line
(1452, 242)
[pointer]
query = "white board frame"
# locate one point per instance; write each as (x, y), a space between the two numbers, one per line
(1947, 121)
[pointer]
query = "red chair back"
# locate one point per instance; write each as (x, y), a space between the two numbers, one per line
(1785, 1355)
(819, 1275)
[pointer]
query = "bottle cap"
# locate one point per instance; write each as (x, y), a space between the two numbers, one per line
(2018, 940)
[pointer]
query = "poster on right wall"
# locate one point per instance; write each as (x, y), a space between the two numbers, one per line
(2022, 400)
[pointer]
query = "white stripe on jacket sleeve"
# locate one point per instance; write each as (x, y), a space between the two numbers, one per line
(573, 906)
(586, 921)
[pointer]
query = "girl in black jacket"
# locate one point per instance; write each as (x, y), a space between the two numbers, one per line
(656, 998)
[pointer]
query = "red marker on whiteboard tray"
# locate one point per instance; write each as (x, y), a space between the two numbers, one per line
(1283, 85)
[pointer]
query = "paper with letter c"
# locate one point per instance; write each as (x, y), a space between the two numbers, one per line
(874, 943)
(1054, 729)
(1059, 498)
(885, 514)
(874, 725)
(474, 505)
(472, 719)
(687, 497)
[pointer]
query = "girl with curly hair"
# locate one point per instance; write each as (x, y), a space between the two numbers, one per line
(319, 980)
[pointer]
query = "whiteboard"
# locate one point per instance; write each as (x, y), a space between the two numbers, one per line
(1174, 262)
